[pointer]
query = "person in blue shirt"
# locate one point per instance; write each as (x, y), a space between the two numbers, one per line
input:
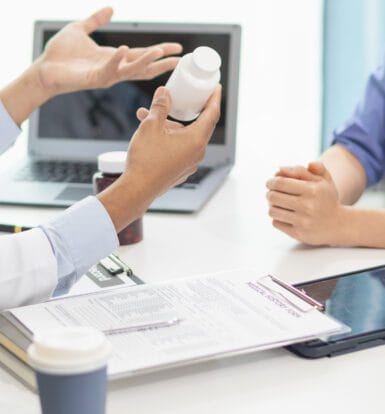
(313, 204)
(48, 259)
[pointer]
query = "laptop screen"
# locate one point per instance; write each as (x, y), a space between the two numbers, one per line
(110, 114)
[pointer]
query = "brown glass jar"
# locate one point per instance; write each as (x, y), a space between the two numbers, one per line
(111, 166)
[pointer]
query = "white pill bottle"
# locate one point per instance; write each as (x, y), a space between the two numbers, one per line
(192, 82)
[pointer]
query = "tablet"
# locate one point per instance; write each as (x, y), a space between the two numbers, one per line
(356, 299)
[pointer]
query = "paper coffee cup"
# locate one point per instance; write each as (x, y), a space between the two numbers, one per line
(71, 369)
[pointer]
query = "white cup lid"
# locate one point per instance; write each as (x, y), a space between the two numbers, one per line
(207, 59)
(69, 350)
(112, 162)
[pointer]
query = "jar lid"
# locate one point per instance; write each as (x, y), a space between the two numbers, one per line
(206, 59)
(112, 162)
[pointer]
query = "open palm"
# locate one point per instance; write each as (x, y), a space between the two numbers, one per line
(73, 61)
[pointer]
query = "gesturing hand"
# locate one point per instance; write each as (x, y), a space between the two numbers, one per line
(73, 61)
(303, 203)
(172, 150)
(161, 154)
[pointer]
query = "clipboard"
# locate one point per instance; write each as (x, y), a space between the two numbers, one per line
(225, 313)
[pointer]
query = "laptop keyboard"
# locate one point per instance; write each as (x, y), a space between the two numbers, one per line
(81, 172)
(57, 171)
(196, 178)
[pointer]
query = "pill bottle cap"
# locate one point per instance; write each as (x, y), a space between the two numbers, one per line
(206, 59)
(112, 162)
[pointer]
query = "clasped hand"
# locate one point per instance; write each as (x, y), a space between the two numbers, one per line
(303, 203)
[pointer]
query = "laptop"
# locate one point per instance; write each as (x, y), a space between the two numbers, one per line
(69, 131)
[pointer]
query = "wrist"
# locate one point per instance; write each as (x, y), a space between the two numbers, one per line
(33, 83)
(345, 227)
(25, 94)
(125, 201)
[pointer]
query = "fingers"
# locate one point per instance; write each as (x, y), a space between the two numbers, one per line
(109, 70)
(319, 168)
(209, 118)
(285, 228)
(162, 66)
(160, 106)
(142, 114)
(147, 63)
(282, 200)
(98, 19)
(135, 69)
(168, 49)
(148, 66)
(283, 215)
(174, 125)
(287, 185)
(298, 172)
(186, 175)
(316, 168)
(142, 63)
(146, 58)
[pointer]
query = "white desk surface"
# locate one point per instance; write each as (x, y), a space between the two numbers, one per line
(233, 230)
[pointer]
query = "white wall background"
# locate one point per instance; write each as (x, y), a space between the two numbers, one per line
(279, 111)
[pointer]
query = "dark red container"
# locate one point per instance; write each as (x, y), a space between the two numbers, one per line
(111, 165)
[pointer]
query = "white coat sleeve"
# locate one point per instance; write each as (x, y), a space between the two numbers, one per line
(8, 129)
(28, 269)
(50, 259)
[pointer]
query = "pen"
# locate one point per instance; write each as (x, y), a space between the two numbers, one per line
(11, 228)
(143, 327)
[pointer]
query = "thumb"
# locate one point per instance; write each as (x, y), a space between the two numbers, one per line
(160, 106)
(98, 19)
(319, 168)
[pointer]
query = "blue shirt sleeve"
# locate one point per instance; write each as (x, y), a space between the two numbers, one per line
(364, 134)
(80, 237)
(8, 129)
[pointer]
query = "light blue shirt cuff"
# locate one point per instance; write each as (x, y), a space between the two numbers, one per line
(80, 237)
(9, 131)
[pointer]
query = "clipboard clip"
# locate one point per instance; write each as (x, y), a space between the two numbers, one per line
(301, 294)
(114, 266)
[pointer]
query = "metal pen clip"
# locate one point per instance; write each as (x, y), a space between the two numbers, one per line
(142, 327)
(298, 293)
(301, 294)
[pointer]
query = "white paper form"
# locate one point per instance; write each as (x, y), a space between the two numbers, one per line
(220, 314)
